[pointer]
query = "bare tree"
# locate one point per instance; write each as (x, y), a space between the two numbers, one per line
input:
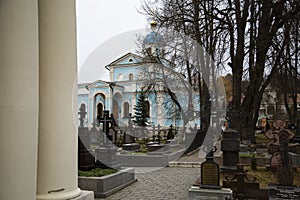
(185, 24)
(250, 34)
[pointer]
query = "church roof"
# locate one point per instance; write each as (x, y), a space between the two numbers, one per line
(127, 59)
(100, 83)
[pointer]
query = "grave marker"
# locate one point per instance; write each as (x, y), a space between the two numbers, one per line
(230, 145)
(283, 192)
(106, 120)
(210, 172)
(284, 170)
(82, 114)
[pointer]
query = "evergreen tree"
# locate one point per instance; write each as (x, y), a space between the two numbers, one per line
(141, 108)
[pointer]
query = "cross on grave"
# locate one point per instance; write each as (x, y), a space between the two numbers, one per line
(82, 114)
(272, 134)
(284, 170)
(130, 130)
(171, 134)
(242, 184)
(106, 120)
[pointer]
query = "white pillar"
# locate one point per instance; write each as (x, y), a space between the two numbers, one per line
(57, 157)
(19, 98)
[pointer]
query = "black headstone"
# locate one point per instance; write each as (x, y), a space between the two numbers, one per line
(230, 145)
(210, 172)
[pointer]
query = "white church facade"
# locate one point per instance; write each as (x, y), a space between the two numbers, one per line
(129, 75)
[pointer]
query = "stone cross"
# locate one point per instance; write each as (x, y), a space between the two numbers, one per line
(106, 120)
(171, 134)
(130, 129)
(82, 114)
(274, 134)
(240, 183)
(284, 170)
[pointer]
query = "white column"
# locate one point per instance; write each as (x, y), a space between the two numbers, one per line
(19, 98)
(57, 157)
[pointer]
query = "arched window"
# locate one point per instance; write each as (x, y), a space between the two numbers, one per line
(130, 77)
(148, 108)
(126, 110)
(120, 77)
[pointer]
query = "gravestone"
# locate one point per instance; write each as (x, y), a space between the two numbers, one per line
(82, 114)
(94, 134)
(106, 156)
(196, 193)
(86, 160)
(284, 171)
(210, 172)
(210, 182)
(230, 145)
(240, 183)
(106, 120)
(129, 134)
(131, 147)
(283, 192)
(158, 147)
(279, 146)
(171, 132)
(151, 143)
(274, 161)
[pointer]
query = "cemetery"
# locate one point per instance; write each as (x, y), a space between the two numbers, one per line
(235, 158)
(267, 169)
(207, 108)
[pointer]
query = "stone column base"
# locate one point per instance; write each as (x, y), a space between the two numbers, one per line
(85, 195)
(207, 194)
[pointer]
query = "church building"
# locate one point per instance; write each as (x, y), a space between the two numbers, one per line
(129, 76)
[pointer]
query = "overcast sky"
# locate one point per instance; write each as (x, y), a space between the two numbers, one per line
(100, 20)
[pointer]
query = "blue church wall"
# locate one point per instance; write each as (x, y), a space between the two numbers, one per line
(126, 90)
(104, 91)
(125, 71)
(90, 111)
(83, 99)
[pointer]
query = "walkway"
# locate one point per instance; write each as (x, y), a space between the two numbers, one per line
(161, 183)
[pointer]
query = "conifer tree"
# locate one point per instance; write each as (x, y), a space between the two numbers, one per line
(141, 114)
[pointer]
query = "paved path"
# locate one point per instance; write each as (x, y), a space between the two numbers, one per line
(166, 183)
(161, 183)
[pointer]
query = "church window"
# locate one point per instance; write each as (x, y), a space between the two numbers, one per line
(130, 77)
(126, 110)
(120, 77)
(130, 60)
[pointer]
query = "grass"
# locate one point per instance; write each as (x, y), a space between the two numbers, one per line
(261, 139)
(98, 172)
